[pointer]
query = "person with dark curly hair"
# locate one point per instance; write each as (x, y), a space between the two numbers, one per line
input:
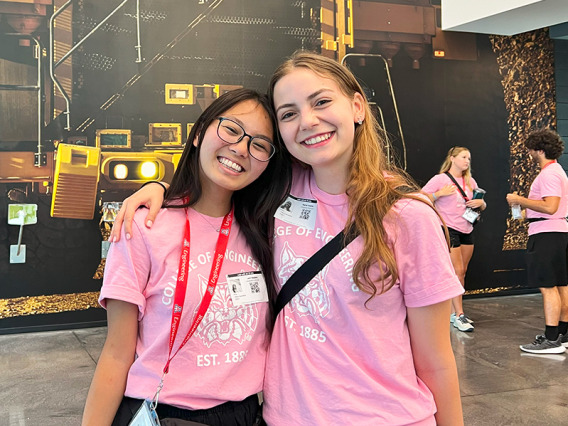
(546, 209)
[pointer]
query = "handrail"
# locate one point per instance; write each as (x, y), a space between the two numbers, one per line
(67, 111)
(149, 64)
(100, 24)
(39, 159)
(53, 65)
(138, 46)
(376, 55)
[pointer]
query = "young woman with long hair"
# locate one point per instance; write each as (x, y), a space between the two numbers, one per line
(366, 341)
(200, 272)
(451, 204)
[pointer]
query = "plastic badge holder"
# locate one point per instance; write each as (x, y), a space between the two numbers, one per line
(145, 416)
(471, 215)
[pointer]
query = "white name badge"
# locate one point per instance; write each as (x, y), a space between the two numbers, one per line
(298, 211)
(247, 287)
(145, 416)
(471, 215)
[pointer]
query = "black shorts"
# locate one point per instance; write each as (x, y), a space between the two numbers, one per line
(458, 238)
(232, 413)
(546, 259)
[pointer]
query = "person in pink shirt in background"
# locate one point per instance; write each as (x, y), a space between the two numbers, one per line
(547, 247)
(214, 279)
(452, 205)
(366, 341)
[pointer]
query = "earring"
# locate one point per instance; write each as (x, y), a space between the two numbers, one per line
(360, 121)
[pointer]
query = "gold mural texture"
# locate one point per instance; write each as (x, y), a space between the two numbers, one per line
(35, 305)
(526, 65)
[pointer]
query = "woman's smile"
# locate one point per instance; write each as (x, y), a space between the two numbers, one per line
(318, 139)
(231, 165)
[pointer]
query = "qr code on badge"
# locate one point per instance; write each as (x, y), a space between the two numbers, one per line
(255, 288)
(305, 214)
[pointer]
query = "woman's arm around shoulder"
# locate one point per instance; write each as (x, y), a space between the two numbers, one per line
(150, 196)
(434, 359)
(117, 356)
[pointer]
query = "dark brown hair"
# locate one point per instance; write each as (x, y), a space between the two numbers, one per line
(255, 204)
(547, 141)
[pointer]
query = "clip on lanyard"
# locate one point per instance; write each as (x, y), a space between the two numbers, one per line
(179, 295)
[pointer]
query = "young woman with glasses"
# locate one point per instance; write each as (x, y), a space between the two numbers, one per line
(205, 269)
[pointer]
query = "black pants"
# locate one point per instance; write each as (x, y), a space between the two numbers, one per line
(232, 413)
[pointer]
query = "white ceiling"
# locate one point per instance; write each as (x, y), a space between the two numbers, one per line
(502, 17)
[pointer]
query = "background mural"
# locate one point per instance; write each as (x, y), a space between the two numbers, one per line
(76, 129)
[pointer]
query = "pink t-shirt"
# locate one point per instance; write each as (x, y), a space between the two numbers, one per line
(333, 360)
(550, 182)
(452, 207)
(224, 360)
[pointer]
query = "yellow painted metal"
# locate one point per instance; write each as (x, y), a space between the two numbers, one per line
(336, 20)
(140, 157)
(340, 27)
(164, 134)
(330, 45)
(164, 159)
(100, 134)
(175, 159)
(350, 37)
(327, 24)
(219, 89)
(180, 94)
(75, 183)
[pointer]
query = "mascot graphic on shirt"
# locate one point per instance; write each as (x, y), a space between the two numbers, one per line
(313, 299)
(224, 322)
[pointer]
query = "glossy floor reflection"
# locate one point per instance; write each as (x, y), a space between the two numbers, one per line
(44, 377)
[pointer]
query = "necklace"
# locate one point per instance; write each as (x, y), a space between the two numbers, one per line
(216, 228)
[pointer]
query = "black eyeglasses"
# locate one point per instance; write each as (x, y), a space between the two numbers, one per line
(259, 147)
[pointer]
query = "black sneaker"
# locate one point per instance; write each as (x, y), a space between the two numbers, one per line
(564, 340)
(542, 345)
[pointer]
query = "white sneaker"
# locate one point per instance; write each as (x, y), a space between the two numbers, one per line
(462, 324)
(453, 318)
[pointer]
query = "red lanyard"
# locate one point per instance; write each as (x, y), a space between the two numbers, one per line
(463, 184)
(179, 295)
(462, 191)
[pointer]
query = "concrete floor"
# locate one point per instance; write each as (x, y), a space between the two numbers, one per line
(44, 377)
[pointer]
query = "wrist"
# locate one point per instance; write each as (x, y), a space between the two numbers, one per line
(434, 196)
(154, 181)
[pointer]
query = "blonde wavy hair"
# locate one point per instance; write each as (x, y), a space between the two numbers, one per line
(447, 164)
(373, 186)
